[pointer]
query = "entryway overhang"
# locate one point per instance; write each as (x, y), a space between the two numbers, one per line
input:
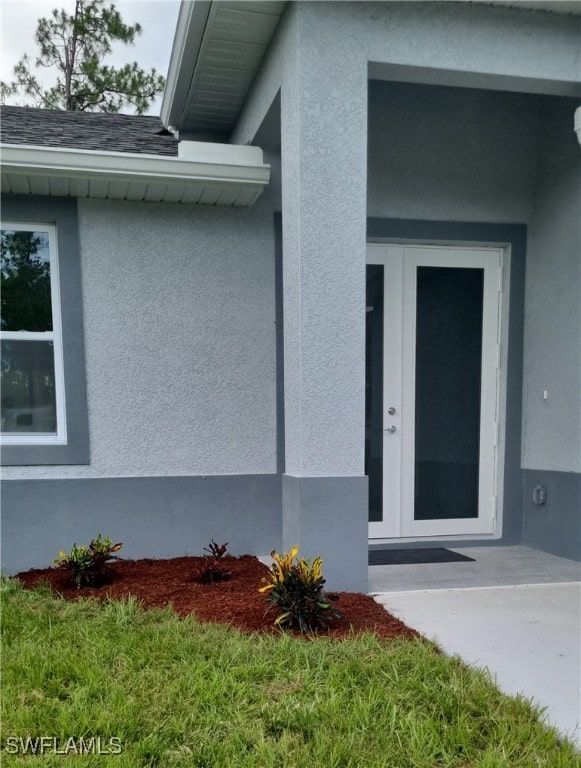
(203, 173)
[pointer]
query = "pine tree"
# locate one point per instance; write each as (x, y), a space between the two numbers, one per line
(76, 46)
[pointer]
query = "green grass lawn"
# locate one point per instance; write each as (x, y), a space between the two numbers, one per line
(182, 693)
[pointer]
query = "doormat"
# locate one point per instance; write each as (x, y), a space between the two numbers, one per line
(413, 556)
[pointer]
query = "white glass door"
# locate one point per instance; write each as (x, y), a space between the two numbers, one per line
(431, 389)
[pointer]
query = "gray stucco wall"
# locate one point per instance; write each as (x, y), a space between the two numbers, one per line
(152, 516)
(461, 44)
(179, 321)
(323, 195)
(552, 427)
(451, 154)
(554, 526)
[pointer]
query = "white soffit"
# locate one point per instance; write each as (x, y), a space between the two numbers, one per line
(203, 173)
(216, 54)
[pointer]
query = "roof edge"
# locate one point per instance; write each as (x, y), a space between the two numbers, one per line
(228, 169)
(190, 30)
(233, 165)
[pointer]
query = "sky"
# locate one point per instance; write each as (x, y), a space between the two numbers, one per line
(151, 50)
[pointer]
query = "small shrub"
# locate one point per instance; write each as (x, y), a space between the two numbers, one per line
(77, 562)
(296, 591)
(212, 569)
(216, 550)
(86, 564)
(102, 551)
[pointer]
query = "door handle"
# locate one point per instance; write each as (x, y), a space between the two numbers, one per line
(391, 429)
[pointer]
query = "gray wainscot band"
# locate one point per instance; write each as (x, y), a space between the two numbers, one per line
(152, 516)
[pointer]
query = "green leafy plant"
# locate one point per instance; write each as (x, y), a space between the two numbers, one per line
(77, 562)
(295, 588)
(102, 551)
(86, 564)
(212, 570)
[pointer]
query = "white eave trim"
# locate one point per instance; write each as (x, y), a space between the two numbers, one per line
(214, 174)
(190, 30)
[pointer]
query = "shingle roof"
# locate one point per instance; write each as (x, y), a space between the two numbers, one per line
(105, 132)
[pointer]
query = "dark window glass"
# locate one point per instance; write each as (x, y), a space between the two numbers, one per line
(374, 390)
(448, 375)
(27, 382)
(25, 281)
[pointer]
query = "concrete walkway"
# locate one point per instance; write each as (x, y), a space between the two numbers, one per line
(527, 635)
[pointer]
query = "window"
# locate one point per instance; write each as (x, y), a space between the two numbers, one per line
(31, 367)
(42, 365)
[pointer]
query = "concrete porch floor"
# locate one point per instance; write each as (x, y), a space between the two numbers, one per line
(514, 610)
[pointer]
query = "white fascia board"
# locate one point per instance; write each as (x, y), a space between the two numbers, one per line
(211, 152)
(227, 164)
(190, 30)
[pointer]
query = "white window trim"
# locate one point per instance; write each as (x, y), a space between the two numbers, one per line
(37, 438)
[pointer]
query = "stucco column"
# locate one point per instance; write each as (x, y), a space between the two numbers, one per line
(324, 158)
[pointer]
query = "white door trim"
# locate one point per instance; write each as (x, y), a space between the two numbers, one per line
(400, 266)
(390, 257)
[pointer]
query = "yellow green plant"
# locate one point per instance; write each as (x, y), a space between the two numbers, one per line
(294, 588)
(77, 562)
(87, 563)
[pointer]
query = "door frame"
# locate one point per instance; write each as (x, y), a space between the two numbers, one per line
(400, 260)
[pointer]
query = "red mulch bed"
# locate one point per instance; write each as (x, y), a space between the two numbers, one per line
(235, 601)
